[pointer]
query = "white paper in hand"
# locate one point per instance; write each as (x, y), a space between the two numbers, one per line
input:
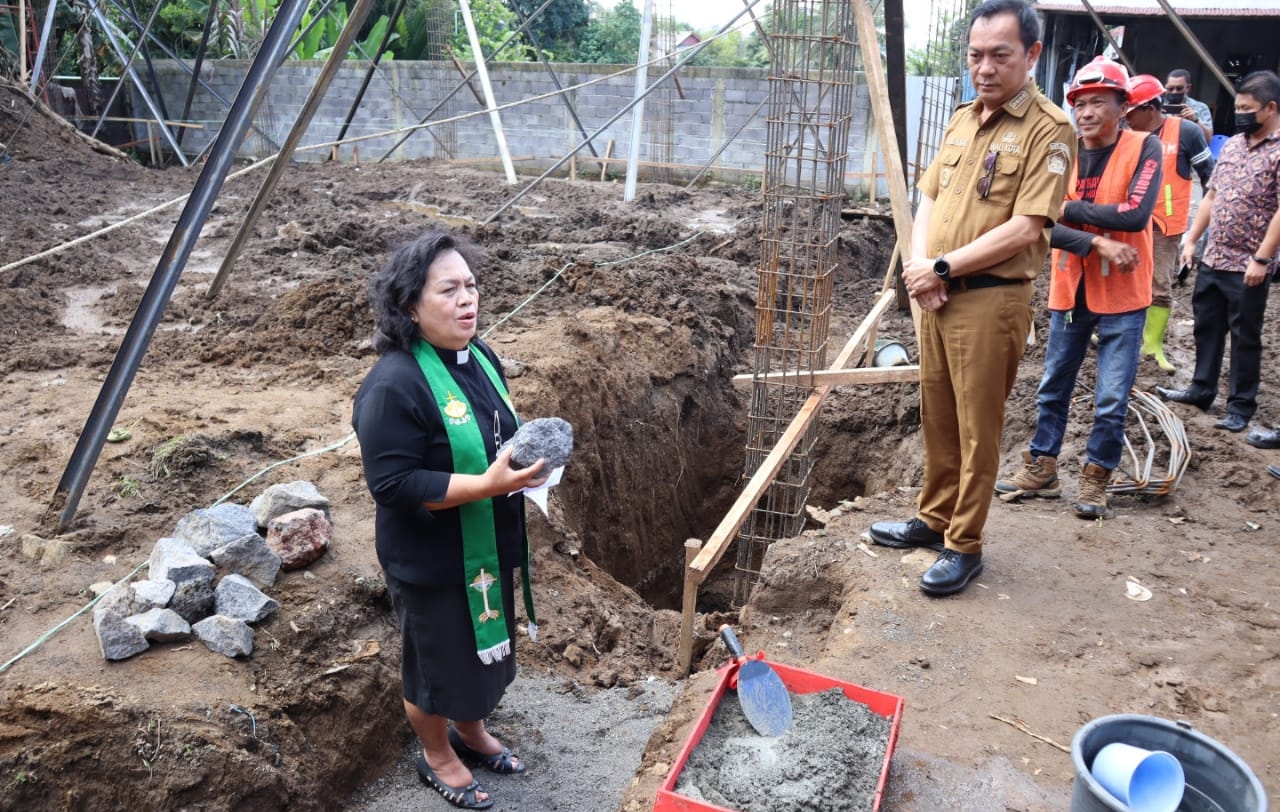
(538, 495)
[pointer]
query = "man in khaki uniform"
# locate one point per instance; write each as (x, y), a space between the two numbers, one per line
(979, 239)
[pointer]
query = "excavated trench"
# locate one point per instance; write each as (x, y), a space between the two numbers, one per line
(663, 449)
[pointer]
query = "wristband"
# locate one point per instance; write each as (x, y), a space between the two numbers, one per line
(1263, 260)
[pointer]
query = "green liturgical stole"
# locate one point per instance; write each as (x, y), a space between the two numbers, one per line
(479, 540)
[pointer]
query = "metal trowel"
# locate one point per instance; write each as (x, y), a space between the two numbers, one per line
(764, 699)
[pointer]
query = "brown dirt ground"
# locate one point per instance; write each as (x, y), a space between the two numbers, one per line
(638, 356)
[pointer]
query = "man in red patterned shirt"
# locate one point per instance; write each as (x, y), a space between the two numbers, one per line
(1242, 213)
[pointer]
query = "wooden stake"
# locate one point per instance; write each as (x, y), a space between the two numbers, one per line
(604, 162)
(355, 154)
(688, 609)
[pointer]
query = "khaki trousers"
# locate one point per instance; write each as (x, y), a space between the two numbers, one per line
(1164, 252)
(969, 355)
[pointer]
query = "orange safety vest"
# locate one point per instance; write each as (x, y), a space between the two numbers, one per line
(1106, 291)
(1173, 209)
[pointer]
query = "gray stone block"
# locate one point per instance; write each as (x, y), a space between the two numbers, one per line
(286, 498)
(175, 560)
(161, 625)
(251, 557)
(152, 594)
(207, 529)
(546, 438)
(225, 635)
(193, 600)
(118, 599)
(117, 638)
(238, 598)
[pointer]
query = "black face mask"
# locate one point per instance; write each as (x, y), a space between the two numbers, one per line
(1175, 98)
(1247, 123)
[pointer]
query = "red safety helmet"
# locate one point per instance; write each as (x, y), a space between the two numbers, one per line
(1100, 74)
(1144, 88)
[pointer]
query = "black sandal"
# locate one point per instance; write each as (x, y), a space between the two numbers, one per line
(463, 797)
(504, 763)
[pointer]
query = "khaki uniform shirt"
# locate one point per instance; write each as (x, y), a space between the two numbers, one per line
(1034, 147)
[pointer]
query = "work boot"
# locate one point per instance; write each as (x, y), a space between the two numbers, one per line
(1091, 494)
(1153, 336)
(1038, 477)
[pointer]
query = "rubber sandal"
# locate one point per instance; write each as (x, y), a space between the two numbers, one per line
(462, 797)
(503, 763)
(1274, 470)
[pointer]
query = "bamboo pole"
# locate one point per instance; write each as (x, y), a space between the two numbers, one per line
(899, 200)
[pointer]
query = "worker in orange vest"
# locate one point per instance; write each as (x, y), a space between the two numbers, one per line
(1185, 150)
(1101, 279)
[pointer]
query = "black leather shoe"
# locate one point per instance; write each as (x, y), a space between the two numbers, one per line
(951, 573)
(911, 533)
(1232, 422)
(1185, 396)
(1264, 439)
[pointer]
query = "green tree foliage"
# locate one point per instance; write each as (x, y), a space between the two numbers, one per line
(559, 28)
(613, 36)
(495, 23)
(944, 55)
(426, 29)
(733, 50)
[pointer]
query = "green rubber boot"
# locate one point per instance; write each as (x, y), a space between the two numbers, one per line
(1153, 336)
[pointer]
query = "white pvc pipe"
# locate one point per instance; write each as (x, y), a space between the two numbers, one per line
(490, 103)
(637, 114)
(44, 42)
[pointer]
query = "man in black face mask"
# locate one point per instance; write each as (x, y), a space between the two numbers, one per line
(1178, 102)
(1241, 210)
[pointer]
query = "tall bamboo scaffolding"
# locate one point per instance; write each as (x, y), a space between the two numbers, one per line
(811, 94)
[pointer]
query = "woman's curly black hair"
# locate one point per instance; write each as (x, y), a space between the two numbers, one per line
(396, 289)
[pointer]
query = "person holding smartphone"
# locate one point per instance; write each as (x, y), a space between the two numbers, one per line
(1178, 101)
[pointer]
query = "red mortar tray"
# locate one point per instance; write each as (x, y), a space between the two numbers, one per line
(798, 681)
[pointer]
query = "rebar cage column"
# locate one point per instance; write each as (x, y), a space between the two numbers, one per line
(811, 91)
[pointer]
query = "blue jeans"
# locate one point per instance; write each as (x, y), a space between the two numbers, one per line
(1119, 340)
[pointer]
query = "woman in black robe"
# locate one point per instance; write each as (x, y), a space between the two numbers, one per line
(437, 526)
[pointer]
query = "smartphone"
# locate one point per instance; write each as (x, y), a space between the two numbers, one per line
(1175, 109)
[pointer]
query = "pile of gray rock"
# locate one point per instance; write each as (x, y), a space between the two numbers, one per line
(207, 579)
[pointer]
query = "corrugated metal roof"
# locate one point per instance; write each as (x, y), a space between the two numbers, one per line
(1184, 8)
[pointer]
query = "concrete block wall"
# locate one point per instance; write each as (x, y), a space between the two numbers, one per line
(699, 110)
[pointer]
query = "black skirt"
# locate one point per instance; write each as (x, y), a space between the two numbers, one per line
(440, 672)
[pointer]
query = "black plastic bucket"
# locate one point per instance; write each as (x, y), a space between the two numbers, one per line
(1217, 780)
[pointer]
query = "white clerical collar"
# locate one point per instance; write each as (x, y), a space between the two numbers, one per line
(464, 356)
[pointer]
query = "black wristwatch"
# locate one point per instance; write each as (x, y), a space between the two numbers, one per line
(942, 268)
(1263, 260)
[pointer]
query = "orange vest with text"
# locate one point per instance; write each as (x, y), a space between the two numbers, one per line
(1173, 208)
(1106, 290)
